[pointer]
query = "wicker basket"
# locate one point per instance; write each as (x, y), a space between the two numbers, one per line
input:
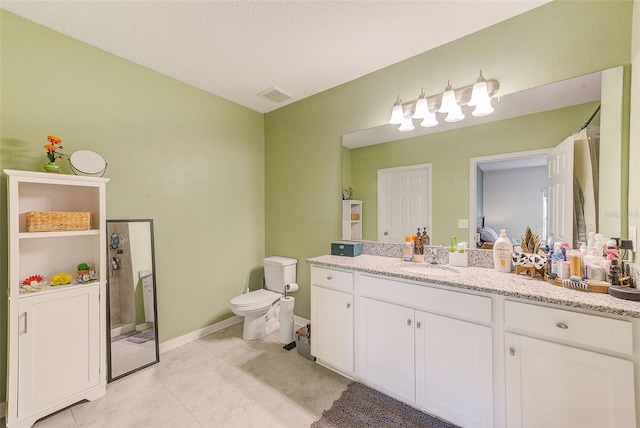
(47, 221)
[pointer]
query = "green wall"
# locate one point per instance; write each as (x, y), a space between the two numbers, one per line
(559, 40)
(192, 161)
(449, 153)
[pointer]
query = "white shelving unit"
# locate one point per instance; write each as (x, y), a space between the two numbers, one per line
(56, 336)
(351, 220)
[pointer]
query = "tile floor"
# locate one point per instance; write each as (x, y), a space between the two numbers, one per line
(217, 381)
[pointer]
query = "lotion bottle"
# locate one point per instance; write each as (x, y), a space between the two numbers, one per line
(502, 253)
(407, 249)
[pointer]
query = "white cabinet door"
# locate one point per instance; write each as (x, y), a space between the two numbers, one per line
(58, 346)
(386, 355)
(454, 369)
(553, 385)
(332, 328)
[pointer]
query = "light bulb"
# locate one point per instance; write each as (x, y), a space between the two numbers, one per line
(422, 107)
(406, 125)
(480, 92)
(448, 100)
(454, 115)
(429, 121)
(397, 115)
(483, 108)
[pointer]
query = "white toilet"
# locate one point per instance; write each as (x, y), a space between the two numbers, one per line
(261, 308)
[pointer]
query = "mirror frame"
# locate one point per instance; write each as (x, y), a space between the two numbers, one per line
(110, 377)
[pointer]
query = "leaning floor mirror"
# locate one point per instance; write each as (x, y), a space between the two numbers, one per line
(132, 315)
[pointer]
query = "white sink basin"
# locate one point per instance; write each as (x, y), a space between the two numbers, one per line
(431, 270)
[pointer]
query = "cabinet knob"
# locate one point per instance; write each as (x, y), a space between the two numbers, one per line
(386, 233)
(512, 352)
(348, 305)
(418, 324)
(329, 278)
(562, 325)
(409, 322)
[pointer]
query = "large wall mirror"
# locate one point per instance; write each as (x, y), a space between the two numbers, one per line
(132, 315)
(534, 120)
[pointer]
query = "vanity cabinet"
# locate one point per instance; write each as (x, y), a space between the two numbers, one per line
(351, 220)
(552, 380)
(427, 346)
(332, 318)
(386, 342)
(56, 336)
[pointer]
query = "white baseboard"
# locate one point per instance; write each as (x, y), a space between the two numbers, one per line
(300, 321)
(195, 335)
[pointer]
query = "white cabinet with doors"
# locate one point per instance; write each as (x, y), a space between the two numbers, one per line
(552, 381)
(351, 220)
(56, 336)
(332, 318)
(427, 346)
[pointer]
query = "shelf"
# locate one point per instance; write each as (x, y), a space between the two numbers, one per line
(48, 289)
(32, 235)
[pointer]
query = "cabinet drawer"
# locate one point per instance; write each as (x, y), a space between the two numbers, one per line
(330, 278)
(590, 330)
(445, 302)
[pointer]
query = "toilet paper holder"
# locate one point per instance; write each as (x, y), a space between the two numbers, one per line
(290, 288)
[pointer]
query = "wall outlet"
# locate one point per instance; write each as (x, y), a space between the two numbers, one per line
(632, 237)
(463, 223)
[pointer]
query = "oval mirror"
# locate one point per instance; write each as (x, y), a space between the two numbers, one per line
(86, 162)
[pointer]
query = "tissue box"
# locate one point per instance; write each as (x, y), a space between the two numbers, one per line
(346, 248)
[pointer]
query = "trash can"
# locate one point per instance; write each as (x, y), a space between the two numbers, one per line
(303, 342)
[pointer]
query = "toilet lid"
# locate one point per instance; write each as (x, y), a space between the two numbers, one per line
(255, 297)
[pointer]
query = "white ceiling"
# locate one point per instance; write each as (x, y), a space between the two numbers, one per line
(236, 49)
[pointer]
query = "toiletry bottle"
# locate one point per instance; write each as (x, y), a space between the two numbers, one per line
(575, 264)
(407, 249)
(502, 252)
(417, 247)
(453, 244)
(425, 238)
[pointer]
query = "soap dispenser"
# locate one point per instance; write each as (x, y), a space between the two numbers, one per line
(502, 252)
(425, 238)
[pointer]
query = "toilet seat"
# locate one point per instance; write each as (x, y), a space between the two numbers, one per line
(258, 298)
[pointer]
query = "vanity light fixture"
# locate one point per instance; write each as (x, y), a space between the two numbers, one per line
(449, 102)
(397, 115)
(450, 105)
(480, 98)
(406, 125)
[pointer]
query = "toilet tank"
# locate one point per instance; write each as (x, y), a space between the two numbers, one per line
(278, 272)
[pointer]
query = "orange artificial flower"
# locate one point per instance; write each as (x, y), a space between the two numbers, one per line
(52, 154)
(53, 139)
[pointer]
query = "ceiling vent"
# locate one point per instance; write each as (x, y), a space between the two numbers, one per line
(275, 94)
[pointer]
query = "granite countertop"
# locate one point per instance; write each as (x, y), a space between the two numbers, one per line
(483, 280)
